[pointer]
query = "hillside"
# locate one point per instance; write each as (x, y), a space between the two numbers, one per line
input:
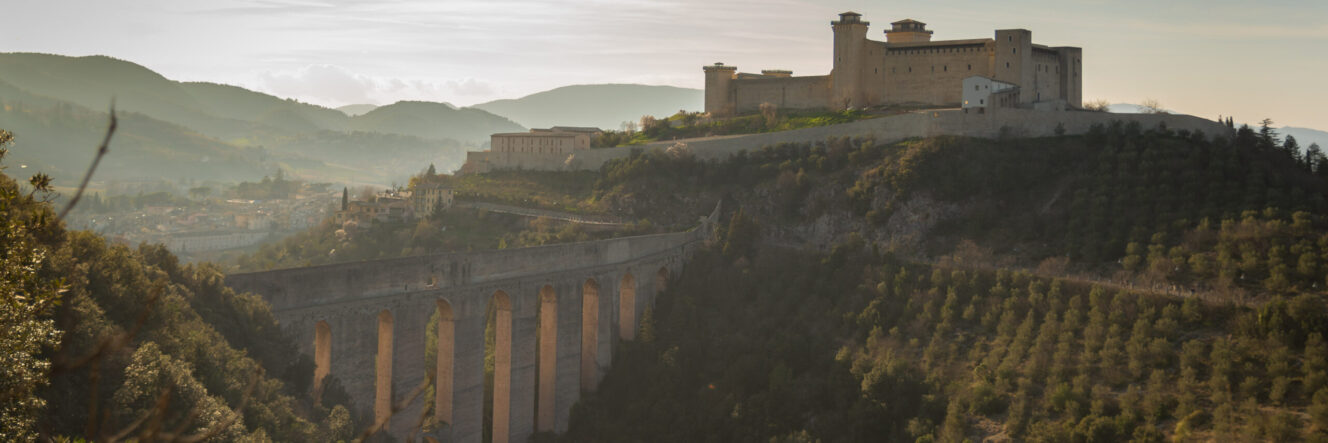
(212, 131)
(430, 120)
(602, 106)
(1130, 284)
(354, 110)
(60, 138)
(104, 340)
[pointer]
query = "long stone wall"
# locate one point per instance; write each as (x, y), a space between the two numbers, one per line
(1020, 122)
(373, 318)
(784, 92)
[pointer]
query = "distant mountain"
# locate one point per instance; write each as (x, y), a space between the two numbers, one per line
(433, 120)
(55, 104)
(1306, 136)
(1125, 108)
(603, 106)
(59, 138)
(354, 110)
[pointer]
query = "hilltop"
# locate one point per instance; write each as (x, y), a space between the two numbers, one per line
(354, 110)
(603, 106)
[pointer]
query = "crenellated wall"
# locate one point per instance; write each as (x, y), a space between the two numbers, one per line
(362, 303)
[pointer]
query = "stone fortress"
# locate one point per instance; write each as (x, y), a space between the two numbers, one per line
(907, 68)
(983, 88)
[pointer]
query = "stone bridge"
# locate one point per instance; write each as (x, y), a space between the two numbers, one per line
(559, 312)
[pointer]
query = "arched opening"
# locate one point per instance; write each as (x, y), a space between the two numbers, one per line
(383, 370)
(547, 354)
(589, 334)
(442, 393)
(322, 357)
(498, 401)
(661, 279)
(627, 307)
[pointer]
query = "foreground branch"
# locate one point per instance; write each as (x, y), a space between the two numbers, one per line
(101, 152)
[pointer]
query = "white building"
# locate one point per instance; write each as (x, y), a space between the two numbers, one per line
(985, 92)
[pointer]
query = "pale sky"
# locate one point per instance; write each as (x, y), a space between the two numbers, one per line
(1247, 59)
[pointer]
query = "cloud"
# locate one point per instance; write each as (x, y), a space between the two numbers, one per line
(332, 85)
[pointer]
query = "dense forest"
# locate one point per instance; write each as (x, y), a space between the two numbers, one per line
(109, 342)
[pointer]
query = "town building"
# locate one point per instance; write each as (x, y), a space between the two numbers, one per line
(556, 140)
(908, 68)
(537, 149)
(428, 198)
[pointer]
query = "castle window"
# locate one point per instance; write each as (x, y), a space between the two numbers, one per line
(875, 71)
(1014, 50)
(1007, 65)
(945, 68)
(910, 69)
(970, 67)
(1009, 37)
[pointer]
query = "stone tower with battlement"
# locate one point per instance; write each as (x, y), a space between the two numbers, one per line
(908, 68)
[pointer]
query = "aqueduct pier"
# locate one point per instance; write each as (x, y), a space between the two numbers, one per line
(559, 312)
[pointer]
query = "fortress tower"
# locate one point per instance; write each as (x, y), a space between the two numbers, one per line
(907, 31)
(718, 92)
(909, 68)
(849, 54)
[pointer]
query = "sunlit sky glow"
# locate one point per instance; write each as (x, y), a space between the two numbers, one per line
(1247, 59)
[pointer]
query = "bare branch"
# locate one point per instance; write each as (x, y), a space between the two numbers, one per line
(101, 152)
(378, 426)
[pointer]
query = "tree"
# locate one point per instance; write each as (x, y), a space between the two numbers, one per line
(1267, 135)
(1314, 159)
(771, 114)
(345, 198)
(1292, 148)
(1098, 105)
(1151, 106)
(198, 193)
(26, 301)
(432, 171)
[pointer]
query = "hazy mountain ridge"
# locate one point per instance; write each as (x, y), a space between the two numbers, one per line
(1305, 136)
(433, 120)
(605, 106)
(226, 122)
(357, 109)
(59, 138)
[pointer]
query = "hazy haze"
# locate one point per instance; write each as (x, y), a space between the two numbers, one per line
(1202, 57)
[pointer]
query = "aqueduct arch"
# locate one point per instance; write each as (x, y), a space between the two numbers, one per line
(442, 399)
(322, 356)
(383, 369)
(662, 279)
(377, 327)
(502, 367)
(546, 393)
(627, 307)
(589, 334)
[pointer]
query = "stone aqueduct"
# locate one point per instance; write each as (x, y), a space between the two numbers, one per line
(570, 304)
